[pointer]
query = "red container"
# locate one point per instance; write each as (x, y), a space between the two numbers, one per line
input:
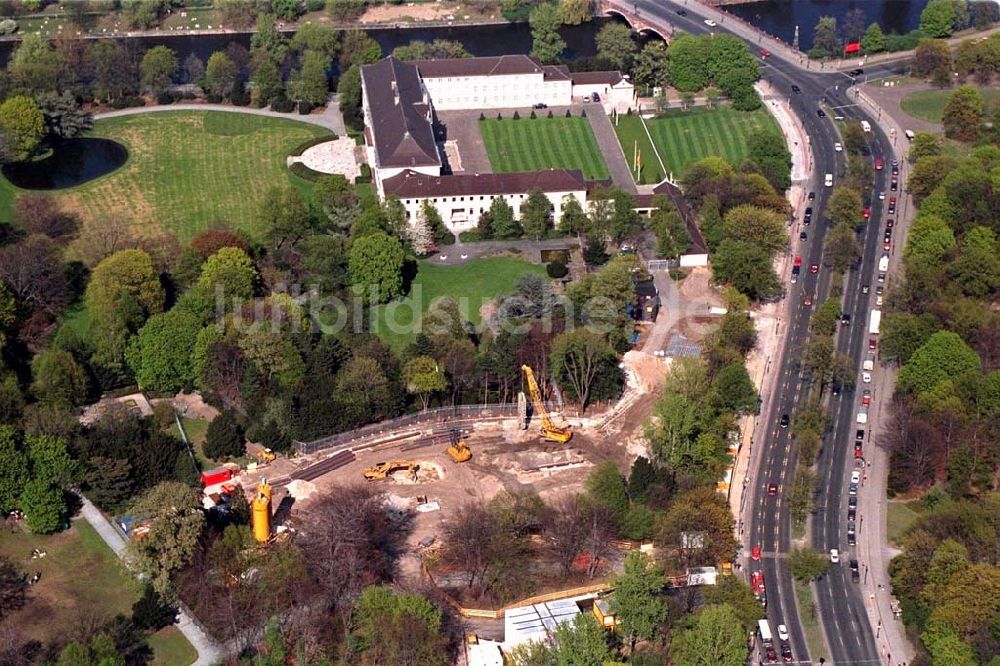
(217, 475)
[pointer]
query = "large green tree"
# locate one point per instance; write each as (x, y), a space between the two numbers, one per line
(938, 18)
(375, 266)
(747, 267)
(688, 63)
(224, 437)
(945, 356)
(160, 355)
(757, 226)
(536, 215)
(23, 125)
(390, 627)
(807, 564)
(546, 44)
(222, 75)
(57, 379)
(582, 361)
(638, 603)
(873, 41)
(176, 520)
(575, 12)
(230, 270)
(767, 151)
(615, 44)
(845, 207)
(158, 68)
(716, 639)
(424, 377)
(582, 643)
(309, 83)
(963, 114)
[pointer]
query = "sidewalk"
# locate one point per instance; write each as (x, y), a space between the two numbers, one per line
(208, 651)
(607, 142)
(331, 117)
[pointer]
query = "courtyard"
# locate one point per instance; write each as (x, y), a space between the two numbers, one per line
(531, 144)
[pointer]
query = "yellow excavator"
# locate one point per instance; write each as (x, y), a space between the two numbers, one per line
(459, 450)
(550, 431)
(383, 469)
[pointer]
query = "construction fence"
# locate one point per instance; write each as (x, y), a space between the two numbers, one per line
(456, 415)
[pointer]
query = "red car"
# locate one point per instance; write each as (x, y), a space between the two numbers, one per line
(755, 553)
(764, 53)
(887, 245)
(772, 489)
(866, 398)
(879, 164)
(857, 453)
(814, 268)
(872, 343)
(798, 261)
(892, 201)
(867, 213)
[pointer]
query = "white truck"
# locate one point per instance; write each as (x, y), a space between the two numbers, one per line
(765, 632)
(883, 263)
(869, 362)
(866, 126)
(874, 322)
(862, 418)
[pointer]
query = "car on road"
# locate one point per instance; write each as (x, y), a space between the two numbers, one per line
(852, 539)
(879, 164)
(770, 656)
(852, 502)
(710, 23)
(782, 632)
(838, 147)
(878, 300)
(858, 453)
(786, 653)
(866, 397)
(812, 195)
(845, 319)
(872, 344)
(541, 105)
(807, 215)
(772, 489)
(855, 476)
(755, 553)
(682, 12)
(803, 236)
(764, 53)
(866, 213)
(821, 113)
(814, 268)
(784, 420)
(881, 277)
(864, 289)
(796, 89)
(881, 195)
(886, 243)
(894, 185)
(856, 72)
(852, 513)
(807, 300)
(866, 377)
(834, 555)
(892, 205)
(828, 180)
(595, 97)
(835, 388)
(890, 223)
(855, 573)
(859, 435)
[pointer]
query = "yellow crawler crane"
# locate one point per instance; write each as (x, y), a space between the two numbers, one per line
(550, 431)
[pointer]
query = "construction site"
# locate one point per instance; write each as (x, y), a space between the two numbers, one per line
(428, 469)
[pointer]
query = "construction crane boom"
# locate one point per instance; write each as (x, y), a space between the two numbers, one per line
(550, 430)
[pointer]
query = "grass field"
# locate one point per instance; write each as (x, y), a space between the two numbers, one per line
(929, 104)
(170, 648)
(471, 285)
(683, 137)
(80, 577)
(630, 135)
(899, 516)
(187, 169)
(810, 620)
(196, 430)
(543, 143)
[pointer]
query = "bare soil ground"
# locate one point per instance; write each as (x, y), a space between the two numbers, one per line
(424, 11)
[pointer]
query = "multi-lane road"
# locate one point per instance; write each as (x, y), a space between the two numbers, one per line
(840, 605)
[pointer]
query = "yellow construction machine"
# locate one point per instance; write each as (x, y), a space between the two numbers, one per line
(459, 450)
(550, 431)
(265, 456)
(383, 469)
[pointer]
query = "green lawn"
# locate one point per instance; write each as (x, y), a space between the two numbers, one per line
(170, 648)
(683, 137)
(80, 577)
(929, 104)
(632, 135)
(196, 430)
(543, 143)
(472, 285)
(899, 516)
(187, 169)
(810, 620)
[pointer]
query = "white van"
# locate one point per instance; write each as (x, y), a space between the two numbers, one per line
(862, 416)
(828, 180)
(866, 126)
(869, 362)
(909, 135)
(883, 263)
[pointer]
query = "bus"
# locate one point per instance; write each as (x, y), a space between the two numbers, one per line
(765, 632)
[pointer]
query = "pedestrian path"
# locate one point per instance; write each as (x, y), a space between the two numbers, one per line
(607, 141)
(208, 650)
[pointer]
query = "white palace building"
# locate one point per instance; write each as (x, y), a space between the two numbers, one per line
(400, 98)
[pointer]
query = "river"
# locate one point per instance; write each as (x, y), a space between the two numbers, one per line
(779, 17)
(486, 40)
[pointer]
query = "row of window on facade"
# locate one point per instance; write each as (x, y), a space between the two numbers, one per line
(453, 199)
